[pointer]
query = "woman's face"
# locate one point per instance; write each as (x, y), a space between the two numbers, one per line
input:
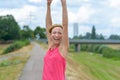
(56, 35)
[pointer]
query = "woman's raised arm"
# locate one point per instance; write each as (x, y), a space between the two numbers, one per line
(65, 40)
(48, 19)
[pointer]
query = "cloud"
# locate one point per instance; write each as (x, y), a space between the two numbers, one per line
(83, 14)
(35, 1)
(114, 3)
(72, 17)
(104, 14)
(115, 22)
(22, 15)
(12, 4)
(55, 2)
(83, 29)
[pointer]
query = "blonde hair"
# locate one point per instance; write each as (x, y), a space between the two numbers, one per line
(53, 26)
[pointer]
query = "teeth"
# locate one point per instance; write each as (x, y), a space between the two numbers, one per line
(56, 39)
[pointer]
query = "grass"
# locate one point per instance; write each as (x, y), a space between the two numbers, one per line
(10, 69)
(90, 66)
(2, 47)
(93, 67)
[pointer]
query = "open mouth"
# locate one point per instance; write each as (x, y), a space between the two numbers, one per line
(56, 39)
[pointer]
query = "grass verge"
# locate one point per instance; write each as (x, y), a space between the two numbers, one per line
(94, 67)
(11, 69)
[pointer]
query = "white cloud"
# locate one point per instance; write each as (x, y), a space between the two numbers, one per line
(22, 15)
(83, 14)
(83, 29)
(115, 22)
(106, 32)
(77, 2)
(55, 2)
(101, 13)
(114, 3)
(35, 1)
(72, 17)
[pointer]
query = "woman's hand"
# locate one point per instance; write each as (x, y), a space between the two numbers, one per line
(49, 2)
(63, 2)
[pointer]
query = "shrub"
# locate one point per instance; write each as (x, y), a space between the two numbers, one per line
(15, 46)
(95, 47)
(110, 53)
(100, 49)
(84, 47)
(89, 47)
(72, 47)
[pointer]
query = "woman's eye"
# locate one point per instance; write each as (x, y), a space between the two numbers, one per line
(54, 32)
(59, 33)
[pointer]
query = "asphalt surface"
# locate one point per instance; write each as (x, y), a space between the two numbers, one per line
(34, 66)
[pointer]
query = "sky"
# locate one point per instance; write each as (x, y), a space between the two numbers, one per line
(103, 14)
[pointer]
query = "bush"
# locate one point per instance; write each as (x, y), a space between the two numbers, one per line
(84, 47)
(95, 47)
(100, 49)
(16, 45)
(72, 47)
(89, 47)
(110, 53)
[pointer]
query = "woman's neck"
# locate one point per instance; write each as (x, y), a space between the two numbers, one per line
(53, 46)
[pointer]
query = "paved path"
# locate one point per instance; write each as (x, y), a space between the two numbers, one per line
(33, 68)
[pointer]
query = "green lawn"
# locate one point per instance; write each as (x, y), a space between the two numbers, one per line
(94, 66)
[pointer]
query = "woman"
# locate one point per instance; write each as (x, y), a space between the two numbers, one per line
(58, 43)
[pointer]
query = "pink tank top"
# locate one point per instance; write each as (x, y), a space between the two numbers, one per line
(54, 65)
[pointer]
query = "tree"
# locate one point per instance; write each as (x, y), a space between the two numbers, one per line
(81, 36)
(88, 35)
(9, 28)
(93, 33)
(40, 32)
(114, 37)
(26, 33)
(100, 36)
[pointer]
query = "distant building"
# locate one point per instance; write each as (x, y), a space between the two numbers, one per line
(75, 29)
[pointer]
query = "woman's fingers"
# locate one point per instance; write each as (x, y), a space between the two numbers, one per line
(49, 1)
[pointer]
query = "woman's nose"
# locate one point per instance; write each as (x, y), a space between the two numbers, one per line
(56, 34)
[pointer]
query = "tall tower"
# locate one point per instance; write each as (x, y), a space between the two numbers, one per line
(75, 29)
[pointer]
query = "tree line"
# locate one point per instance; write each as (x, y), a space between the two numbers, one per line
(10, 30)
(94, 35)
